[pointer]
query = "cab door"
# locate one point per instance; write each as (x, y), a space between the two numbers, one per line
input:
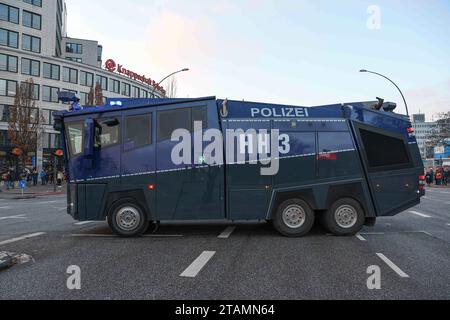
(138, 165)
(191, 189)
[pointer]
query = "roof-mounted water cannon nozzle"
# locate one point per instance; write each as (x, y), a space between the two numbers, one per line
(379, 105)
(67, 96)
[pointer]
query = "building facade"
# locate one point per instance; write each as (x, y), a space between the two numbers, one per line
(422, 130)
(34, 44)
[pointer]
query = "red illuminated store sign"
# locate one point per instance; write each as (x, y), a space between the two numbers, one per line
(112, 66)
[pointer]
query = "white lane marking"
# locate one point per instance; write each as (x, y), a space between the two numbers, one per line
(86, 235)
(193, 270)
(20, 216)
(227, 233)
(448, 224)
(61, 209)
(360, 237)
(83, 223)
(5, 208)
(28, 236)
(392, 265)
(372, 233)
(48, 202)
(94, 235)
(420, 214)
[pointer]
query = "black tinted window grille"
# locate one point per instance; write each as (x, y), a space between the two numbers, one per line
(384, 151)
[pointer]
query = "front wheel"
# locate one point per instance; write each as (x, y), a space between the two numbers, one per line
(127, 219)
(345, 217)
(294, 218)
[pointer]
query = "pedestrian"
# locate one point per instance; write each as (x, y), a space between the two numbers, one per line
(446, 176)
(12, 179)
(59, 178)
(43, 176)
(35, 177)
(6, 178)
(429, 177)
(438, 177)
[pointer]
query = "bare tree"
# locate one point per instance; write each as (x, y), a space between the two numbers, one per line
(91, 97)
(440, 135)
(172, 87)
(98, 92)
(25, 123)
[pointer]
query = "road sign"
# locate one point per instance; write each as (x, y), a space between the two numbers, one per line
(22, 184)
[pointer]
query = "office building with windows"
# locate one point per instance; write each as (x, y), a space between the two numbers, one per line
(423, 130)
(34, 44)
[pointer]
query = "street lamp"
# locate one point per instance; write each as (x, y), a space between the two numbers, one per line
(404, 100)
(173, 73)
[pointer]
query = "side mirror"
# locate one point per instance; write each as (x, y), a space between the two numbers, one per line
(89, 131)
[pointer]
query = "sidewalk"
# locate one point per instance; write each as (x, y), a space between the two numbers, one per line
(32, 192)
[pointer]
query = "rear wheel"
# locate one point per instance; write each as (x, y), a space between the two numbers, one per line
(127, 219)
(294, 218)
(344, 218)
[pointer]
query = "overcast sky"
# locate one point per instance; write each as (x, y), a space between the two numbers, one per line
(294, 52)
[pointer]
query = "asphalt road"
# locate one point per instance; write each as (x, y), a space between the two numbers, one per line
(222, 261)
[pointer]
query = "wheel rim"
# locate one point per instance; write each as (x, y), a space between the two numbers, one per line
(128, 218)
(346, 216)
(294, 216)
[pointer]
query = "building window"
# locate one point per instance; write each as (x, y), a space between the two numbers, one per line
(74, 48)
(114, 86)
(8, 13)
(37, 3)
(103, 81)
(9, 38)
(34, 89)
(30, 43)
(8, 63)
(86, 79)
(136, 92)
(70, 75)
(51, 71)
(126, 89)
(31, 67)
(144, 94)
(79, 60)
(8, 88)
(4, 113)
(31, 20)
(84, 98)
(50, 94)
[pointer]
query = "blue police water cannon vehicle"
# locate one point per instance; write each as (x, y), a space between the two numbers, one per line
(137, 161)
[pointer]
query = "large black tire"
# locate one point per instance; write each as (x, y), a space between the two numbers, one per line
(344, 218)
(127, 219)
(294, 218)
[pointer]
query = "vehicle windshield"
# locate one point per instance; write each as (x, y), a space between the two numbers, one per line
(75, 138)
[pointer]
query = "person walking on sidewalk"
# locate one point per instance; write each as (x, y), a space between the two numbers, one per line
(59, 178)
(35, 177)
(429, 178)
(438, 177)
(446, 176)
(43, 176)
